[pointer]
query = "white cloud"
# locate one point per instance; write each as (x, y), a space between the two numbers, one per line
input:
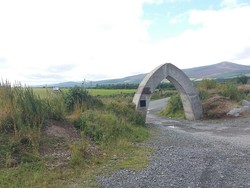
(180, 18)
(229, 3)
(109, 39)
(223, 35)
(94, 35)
(166, 1)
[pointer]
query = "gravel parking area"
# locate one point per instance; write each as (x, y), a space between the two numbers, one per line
(192, 154)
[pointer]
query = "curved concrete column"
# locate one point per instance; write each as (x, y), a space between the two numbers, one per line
(190, 99)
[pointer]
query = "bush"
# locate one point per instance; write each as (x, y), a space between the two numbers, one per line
(118, 120)
(161, 93)
(242, 79)
(126, 111)
(99, 126)
(80, 123)
(231, 91)
(174, 108)
(203, 94)
(206, 84)
(78, 96)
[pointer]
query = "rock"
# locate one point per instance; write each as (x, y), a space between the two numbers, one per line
(245, 109)
(234, 112)
(237, 111)
(245, 103)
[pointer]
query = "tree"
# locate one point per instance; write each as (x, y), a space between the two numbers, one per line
(242, 79)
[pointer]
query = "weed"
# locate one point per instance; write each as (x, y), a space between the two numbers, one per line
(55, 107)
(30, 158)
(203, 94)
(174, 108)
(207, 84)
(10, 161)
(231, 91)
(126, 111)
(78, 152)
(160, 94)
(78, 96)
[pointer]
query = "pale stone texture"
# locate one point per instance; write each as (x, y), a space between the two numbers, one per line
(245, 103)
(190, 99)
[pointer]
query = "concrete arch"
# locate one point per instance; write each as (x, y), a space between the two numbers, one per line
(190, 99)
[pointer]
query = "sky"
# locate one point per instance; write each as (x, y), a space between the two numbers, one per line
(52, 41)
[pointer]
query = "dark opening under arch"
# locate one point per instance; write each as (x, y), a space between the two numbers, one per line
(190, 99)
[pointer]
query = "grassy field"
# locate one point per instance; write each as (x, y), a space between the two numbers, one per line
(110, 91)
(43, 92)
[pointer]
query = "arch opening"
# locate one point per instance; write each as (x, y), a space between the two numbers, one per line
(190, 99)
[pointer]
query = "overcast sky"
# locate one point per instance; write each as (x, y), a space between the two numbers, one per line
(51, 41)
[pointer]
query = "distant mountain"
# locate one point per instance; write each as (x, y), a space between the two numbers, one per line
(127, 80)
(221, 70)
(136, 79)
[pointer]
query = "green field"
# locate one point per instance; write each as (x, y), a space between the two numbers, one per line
(43, 92)
(110, 91)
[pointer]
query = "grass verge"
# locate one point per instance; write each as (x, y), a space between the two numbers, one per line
(120, 155)
(67, 139)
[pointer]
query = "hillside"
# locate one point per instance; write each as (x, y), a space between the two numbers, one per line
(219, 70)
(223, 70)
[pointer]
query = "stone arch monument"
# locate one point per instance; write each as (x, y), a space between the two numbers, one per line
(190, 99)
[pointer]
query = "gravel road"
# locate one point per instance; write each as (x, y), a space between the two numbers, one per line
(191, 154)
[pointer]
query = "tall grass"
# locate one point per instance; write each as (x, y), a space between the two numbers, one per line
(113, 121)
(20, 109)
(109, 127)
(231, 91)
(160, 94)
(22, 116)
(174, 108)
(55, 106)
(207, 84)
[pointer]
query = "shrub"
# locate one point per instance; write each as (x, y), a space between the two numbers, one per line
(231, 91)
(126, 111)
(78, 151)
(100, 126)
(78, 96)
(206, 84)
(203, 94)
(80, 123)
(161, 93)
(242, 79)
(174, 108)
(105, 126)
(55, 107)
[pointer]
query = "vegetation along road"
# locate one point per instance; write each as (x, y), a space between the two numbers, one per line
(192, 154)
